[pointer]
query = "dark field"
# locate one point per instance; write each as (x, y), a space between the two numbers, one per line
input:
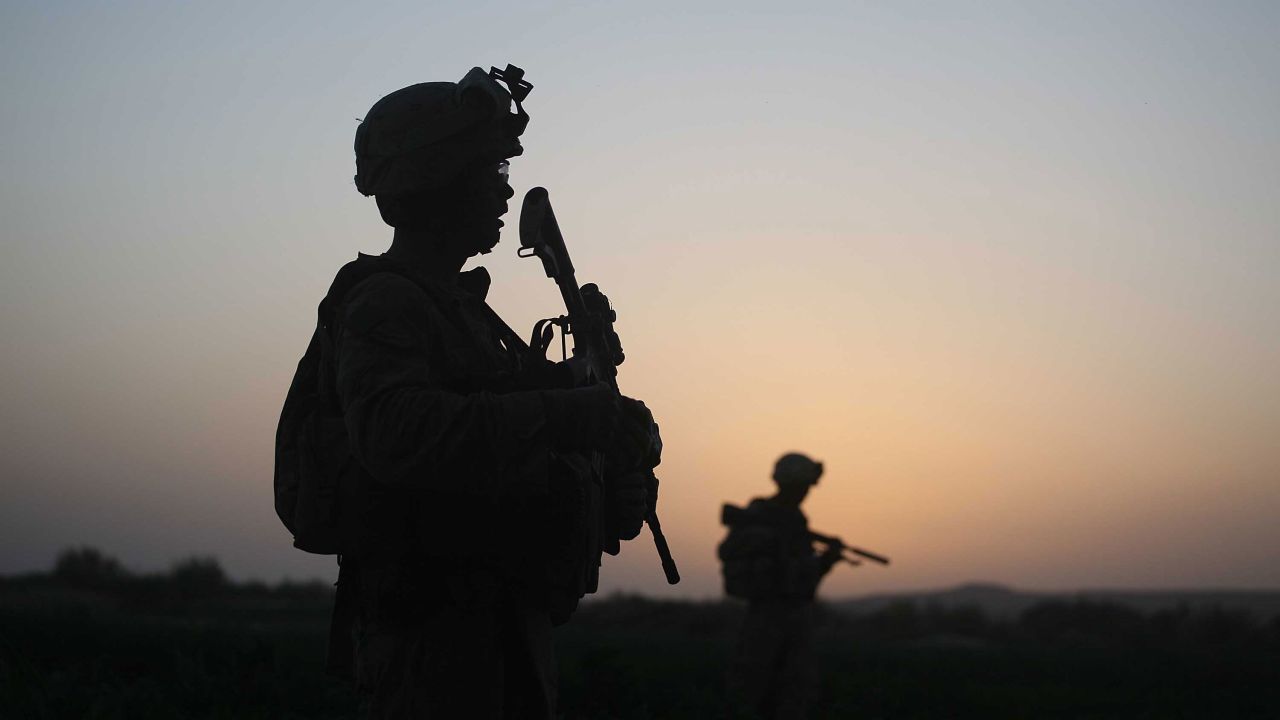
(105, 644)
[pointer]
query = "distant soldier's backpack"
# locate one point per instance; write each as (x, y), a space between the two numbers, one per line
(749, 563)
(750, 555)
(766, 554)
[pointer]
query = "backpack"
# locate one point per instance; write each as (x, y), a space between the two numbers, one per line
(759, 559)
(316, 473)
(749, 561)
(315, 470)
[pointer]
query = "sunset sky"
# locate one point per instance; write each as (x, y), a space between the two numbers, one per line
(1007, 268)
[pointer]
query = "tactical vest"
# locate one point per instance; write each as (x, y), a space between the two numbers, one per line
(329, 503)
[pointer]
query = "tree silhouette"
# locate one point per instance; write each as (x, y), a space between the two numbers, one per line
(87, 567)
(198, 576)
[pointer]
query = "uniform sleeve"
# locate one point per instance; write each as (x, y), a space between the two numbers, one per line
(405, 428)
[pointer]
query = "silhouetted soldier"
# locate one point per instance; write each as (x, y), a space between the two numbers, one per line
(768, 559)
(426, 445)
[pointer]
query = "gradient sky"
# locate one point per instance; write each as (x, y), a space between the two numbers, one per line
(1007, 268)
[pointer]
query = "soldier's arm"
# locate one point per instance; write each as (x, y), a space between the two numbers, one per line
(827, 559)
(409, 431)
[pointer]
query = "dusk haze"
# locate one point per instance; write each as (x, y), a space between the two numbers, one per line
(1007, 269)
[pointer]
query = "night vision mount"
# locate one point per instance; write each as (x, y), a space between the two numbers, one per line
(513, 78)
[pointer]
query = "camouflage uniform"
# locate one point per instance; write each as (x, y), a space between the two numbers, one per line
(770, 558)
(446, 608)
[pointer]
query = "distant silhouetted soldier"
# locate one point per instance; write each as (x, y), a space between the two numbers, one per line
(426, 445)
(769, 560)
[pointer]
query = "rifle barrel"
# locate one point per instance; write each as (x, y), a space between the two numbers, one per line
(870, 555)
(831, 540)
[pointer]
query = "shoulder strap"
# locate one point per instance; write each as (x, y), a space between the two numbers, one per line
(348, 277)
(476, 281)
(508, 336)
(361, 269)
(366, 266)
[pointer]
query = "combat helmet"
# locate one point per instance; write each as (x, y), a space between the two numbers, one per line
(419, 137)
(796, 468)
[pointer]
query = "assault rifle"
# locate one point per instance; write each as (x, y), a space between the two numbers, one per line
(731, 515)
(589, 319)
(835, 542)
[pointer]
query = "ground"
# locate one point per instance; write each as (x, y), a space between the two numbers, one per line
(155, 648)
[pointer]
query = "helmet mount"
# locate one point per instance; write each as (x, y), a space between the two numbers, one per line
(519, 89)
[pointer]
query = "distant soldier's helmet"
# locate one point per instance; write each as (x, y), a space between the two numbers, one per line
(420, 137)
(794, 468)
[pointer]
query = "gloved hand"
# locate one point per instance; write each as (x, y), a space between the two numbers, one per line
(626, 503)
(630, 486)
(582, 418)
(637, 443)
(576, 369)
(830, 557)
(539, 373)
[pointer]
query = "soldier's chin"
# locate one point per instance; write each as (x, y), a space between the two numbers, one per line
(483, 241)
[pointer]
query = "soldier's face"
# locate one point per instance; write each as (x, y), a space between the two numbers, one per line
(483, 192)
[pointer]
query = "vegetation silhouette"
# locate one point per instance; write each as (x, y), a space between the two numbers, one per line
(92, 639)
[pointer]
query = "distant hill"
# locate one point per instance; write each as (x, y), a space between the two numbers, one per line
(1000, 602)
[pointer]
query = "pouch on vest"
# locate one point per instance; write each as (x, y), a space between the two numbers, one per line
(315, 469)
